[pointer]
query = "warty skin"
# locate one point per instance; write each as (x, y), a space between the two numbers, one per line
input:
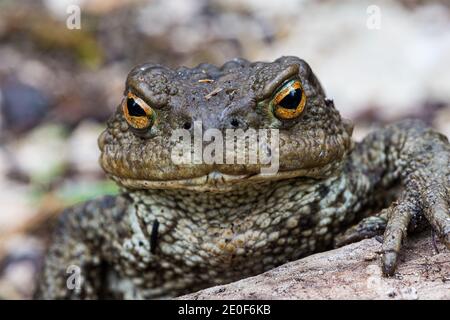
(177, 229)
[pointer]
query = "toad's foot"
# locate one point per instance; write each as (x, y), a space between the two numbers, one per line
(419, 158)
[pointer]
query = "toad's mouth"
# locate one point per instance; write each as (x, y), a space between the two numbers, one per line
(216, 181)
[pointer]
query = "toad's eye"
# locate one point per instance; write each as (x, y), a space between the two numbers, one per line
(289, 101)
(138, 114)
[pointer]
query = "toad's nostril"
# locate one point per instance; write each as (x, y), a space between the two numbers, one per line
(234, 122)
(187, 125)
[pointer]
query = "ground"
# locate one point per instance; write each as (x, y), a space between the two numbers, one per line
(350, 272)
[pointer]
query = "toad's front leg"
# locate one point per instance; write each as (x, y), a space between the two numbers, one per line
(419, 157)
(75, 266)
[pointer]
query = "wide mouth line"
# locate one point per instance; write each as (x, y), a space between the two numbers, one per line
(213, 180)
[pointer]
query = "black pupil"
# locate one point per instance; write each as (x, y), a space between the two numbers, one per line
(134, 109)
(292, 99)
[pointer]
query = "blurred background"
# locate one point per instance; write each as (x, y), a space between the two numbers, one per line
(379, 60)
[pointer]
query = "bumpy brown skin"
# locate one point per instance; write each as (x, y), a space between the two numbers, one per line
(176, 229)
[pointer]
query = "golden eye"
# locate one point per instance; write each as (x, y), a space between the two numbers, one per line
(138, 114)
(290, 100)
